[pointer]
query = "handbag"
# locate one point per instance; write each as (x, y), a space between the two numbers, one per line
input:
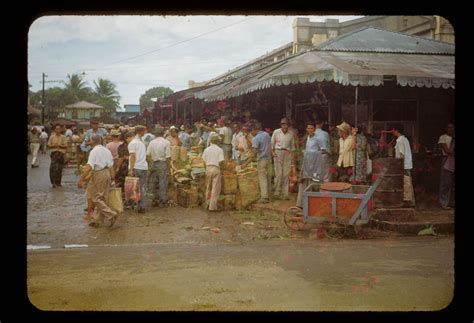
(114, 199)
(132, 189)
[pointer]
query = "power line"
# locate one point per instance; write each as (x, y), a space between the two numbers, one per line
(180, 42)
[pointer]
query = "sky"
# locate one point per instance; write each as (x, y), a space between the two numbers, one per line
(140, 52)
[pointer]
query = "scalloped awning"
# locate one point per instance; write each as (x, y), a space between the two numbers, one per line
(346, 68)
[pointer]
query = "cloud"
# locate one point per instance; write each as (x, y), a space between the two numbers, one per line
(104, 46)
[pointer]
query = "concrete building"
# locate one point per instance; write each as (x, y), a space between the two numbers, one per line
(307, 34)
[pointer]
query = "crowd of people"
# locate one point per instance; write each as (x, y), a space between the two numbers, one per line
(343, 153)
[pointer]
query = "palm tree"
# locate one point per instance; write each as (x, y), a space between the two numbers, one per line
(76, 88)
(107, 94)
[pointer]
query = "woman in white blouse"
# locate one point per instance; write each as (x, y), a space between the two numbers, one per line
(345, 162)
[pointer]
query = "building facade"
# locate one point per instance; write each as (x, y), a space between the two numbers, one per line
(307, 34)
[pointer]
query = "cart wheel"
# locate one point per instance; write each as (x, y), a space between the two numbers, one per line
(336, 230)
(360, 232)
(294, 219)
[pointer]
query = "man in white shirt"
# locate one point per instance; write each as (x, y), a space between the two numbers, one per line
(43, 141)
(283, 147)
(446, 184)
(213, 157)
(236, 134)
(147, 137)
(226, 137)
(403, 150)
(100, 164)
(138, 165)
(159, 157)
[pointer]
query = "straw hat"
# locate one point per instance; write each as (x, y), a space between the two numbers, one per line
(344, 126)
(114, 132)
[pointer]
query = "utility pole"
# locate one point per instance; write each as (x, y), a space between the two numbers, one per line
(42, 96)
(42, 102)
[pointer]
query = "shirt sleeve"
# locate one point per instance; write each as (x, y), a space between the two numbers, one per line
(273, 140)
(92, 159)
(221, 155)
(255, 142)
(442, 140)
(168, 150)
(132, 148)
(110, 159)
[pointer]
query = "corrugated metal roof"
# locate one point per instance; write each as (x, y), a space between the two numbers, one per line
(370, 39)
(346, 68)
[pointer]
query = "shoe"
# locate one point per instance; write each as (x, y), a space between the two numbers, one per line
(446, 207)
(263, 201)
(113, 220)
(285, 198)
(213, 210)
(155, 204)
(94, 224)
(277, 197)
(141, 211)
(54, 185)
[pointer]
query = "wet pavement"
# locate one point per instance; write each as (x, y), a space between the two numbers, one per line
(170, 259)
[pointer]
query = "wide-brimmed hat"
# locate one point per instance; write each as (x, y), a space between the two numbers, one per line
(284, 121)
(158, 130)
(344, 127)
(114, 132)
(173, 128)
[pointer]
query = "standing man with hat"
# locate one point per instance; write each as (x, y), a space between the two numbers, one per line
(283, 148)
(159, 156)
(213, 156)
(225, 134)
(138, 165)
(446, 184)
(57, 143)
(312, 162)
(262, 148)
(403, 151)
(86, 145)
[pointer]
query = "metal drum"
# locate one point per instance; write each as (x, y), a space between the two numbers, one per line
(389, 193)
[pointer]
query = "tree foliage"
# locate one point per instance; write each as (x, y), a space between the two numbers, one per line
(107, 94)
(155, 92)
(75, 89)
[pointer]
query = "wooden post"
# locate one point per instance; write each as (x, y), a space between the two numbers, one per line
(355, 106)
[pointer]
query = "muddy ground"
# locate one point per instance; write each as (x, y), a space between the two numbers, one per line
(188, 259)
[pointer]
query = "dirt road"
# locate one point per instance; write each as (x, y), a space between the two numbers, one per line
(169, 259)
